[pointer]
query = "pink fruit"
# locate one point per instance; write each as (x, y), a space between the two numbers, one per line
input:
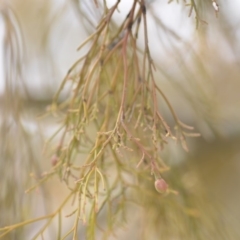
(161, 186)
(54, 160)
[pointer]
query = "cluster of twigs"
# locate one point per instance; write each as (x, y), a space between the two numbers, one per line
(111, 130)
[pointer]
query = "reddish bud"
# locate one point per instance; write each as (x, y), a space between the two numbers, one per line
(54, 160)
(161, 186)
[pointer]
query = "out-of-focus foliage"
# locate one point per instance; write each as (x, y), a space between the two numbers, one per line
(18, 148)
(197, 75)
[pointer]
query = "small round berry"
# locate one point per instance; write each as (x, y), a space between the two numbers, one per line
(54, 160)
(161, 186)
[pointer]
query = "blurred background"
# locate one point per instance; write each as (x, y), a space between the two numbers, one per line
(197, 68)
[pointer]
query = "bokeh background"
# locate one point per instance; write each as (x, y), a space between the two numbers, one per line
(198, 69)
